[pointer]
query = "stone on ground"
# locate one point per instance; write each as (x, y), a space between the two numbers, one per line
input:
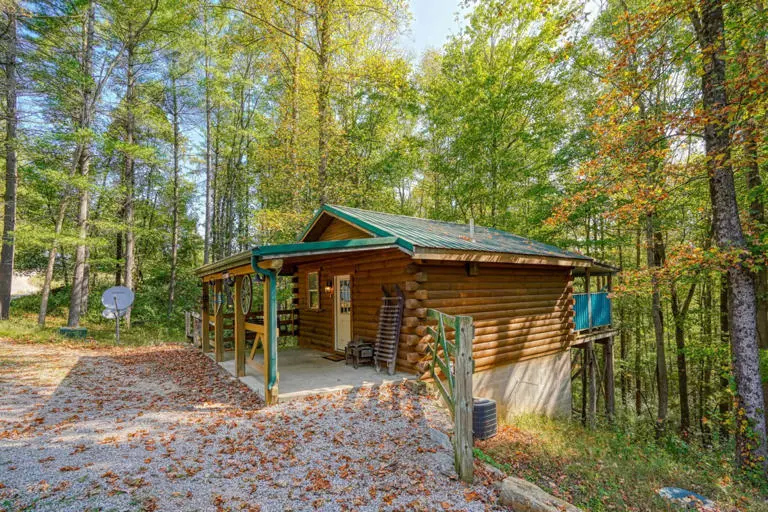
(523, 496)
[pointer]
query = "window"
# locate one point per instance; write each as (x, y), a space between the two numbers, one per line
(313, 290)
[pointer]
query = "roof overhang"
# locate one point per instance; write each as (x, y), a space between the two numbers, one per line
(598, 268)
(425, 253)
(243, 263)
(300, 249)
(230, 262)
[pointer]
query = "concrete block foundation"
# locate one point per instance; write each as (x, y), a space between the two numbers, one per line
(539, 386)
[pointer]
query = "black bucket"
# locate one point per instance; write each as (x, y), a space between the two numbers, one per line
(484, 418)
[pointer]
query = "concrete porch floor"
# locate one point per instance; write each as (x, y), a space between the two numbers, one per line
(304, 372)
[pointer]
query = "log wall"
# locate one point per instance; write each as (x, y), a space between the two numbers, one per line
(369, 271)
(520, 312)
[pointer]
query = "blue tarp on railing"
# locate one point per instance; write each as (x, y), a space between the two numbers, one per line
(601, 310)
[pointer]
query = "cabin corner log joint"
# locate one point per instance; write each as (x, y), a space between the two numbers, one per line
(519, 293)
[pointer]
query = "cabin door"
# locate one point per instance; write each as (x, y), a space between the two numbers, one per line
(342, 311)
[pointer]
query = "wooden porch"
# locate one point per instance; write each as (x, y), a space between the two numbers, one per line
(306, 372)
(593, 325)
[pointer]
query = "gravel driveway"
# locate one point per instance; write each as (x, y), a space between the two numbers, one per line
(163, 428)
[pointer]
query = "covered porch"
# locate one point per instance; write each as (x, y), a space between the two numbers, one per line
(241, 321)
(306, 372)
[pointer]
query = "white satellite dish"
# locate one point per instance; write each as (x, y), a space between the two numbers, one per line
(111, 314)
(117, 297)
(117, 300)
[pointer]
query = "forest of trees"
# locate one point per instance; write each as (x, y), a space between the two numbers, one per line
(144, 138)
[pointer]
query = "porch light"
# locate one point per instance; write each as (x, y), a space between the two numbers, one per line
(328, 287)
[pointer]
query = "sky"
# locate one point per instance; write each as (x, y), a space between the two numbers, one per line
(433, 21)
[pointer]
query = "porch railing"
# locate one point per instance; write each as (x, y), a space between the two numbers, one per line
(592, 310)
(452, 363)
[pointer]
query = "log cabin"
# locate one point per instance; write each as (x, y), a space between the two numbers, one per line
(518, 292)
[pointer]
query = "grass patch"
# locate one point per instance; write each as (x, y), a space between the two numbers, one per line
(149, 327)
(615, 470)
(23, 327)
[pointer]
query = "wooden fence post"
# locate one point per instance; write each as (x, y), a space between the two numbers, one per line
(463, 441)
(218, 333)
(239, 328)
(205, 343)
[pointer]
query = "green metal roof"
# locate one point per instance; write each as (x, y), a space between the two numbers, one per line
(284, 250)
(416, 232)
(406, 233)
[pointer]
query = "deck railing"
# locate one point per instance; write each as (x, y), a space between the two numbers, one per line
(452, 362)
(592, 310)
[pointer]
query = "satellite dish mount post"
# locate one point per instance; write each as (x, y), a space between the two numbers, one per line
(116, 300)
(117, 323)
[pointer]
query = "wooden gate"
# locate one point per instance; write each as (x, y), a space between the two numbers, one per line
(452, 362)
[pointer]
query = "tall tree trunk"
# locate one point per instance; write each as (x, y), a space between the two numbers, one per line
(209, 170)
(323, 95)
(53, 250)
(751, 448)
(86, 282)
(708, 340)
(638, 338)
(679, 314)
(751, 144)
(654, 259)
(84, 123)
(11, 171)
(623, 339)
(293, 141)
(757, 215)
(724, 407)
(175, 207)
(130, 179)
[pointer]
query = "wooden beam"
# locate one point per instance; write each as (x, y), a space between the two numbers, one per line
(239, 328)
(251, 327)
(610, 404)
(242, 270)
(423, 253)
(205, 343)
(271, 264)
(592, 377)
(212, 277)
(463, 400)
(584, 385)
(218, 334)
(597, 336)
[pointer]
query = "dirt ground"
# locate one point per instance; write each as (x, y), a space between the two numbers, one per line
(163, 428)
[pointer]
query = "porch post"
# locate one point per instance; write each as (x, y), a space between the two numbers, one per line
(269, 394)
(239, 328)
(218, 305)
(268, 270)
(592, 377)
(610, 407)
(205, 343)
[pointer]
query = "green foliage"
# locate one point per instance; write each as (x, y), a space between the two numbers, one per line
(496, 105)
(616, 469)
(576, 128)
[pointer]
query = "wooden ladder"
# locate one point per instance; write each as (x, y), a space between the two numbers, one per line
(388, 335)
